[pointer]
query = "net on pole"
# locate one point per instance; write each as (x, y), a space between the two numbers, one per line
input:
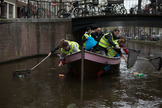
(156, 62)
(132, 57)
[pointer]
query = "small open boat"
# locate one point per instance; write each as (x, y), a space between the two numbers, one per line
(90, 63)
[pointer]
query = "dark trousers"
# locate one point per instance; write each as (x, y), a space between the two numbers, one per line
(103, 51)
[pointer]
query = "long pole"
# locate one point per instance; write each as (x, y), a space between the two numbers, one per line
(82, 73)
(82, 65)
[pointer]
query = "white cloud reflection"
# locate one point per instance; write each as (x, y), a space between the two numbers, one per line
(132, 3)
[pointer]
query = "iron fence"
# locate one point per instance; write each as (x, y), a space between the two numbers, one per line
(48, 9)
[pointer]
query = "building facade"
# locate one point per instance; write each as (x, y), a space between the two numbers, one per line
(11, 8)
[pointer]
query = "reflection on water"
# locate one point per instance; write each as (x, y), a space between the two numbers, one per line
(44, 88)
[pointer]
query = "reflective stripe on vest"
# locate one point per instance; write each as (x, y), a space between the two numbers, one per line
(86, 36)
(111, 51)
(71, 43)
(104, 42)
(75, 43)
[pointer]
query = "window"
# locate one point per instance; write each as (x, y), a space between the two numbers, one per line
(10, 11)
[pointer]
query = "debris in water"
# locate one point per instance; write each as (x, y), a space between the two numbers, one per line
(61, 75)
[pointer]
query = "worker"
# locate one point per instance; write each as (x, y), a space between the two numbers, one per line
(97, 34)
(114, 52)
(107, 41)
(67, 47)
(86, 35)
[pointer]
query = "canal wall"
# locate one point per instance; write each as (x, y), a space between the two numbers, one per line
(21, 38)
(147, 42)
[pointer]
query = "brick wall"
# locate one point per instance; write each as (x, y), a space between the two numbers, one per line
(24, 38)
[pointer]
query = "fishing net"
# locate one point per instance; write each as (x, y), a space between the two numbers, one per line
(156, 62)
(132, 57)
(21, 72)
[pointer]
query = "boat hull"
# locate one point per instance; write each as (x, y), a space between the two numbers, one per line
(92, 64)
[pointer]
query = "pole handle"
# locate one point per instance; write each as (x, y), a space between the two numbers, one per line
(40, 62)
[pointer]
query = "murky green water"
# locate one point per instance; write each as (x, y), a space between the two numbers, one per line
(44, 88)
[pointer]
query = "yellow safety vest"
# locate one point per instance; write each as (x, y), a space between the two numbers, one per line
(71, 43)
(111, 51)
(104, 42)
(86, 36)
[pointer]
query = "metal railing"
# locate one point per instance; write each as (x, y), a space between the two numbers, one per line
(48, 9)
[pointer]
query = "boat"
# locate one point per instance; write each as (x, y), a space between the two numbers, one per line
(89, 64)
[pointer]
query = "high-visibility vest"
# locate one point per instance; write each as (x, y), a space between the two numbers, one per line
(111, 51)
(71, 43)
(86, 36)
(104, 42)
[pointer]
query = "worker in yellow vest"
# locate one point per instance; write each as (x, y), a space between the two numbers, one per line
(114, 52)
(107, 41)
(86, 35)
(67, 47)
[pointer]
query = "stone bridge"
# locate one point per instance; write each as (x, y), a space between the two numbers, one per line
(20, 38)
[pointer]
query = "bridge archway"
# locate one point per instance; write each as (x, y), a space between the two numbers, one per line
(79, 24)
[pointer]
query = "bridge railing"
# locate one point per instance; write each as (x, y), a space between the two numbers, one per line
(48, 9)
(41, 9)
(154, 8)
(113, 7)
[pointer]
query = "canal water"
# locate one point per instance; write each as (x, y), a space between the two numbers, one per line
(45, 88)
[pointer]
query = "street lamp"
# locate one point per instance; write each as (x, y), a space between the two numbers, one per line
(2, 9)
(28, 9)
(139, 7)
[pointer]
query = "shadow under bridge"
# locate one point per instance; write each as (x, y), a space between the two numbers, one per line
(79, 24)
(117, 20)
